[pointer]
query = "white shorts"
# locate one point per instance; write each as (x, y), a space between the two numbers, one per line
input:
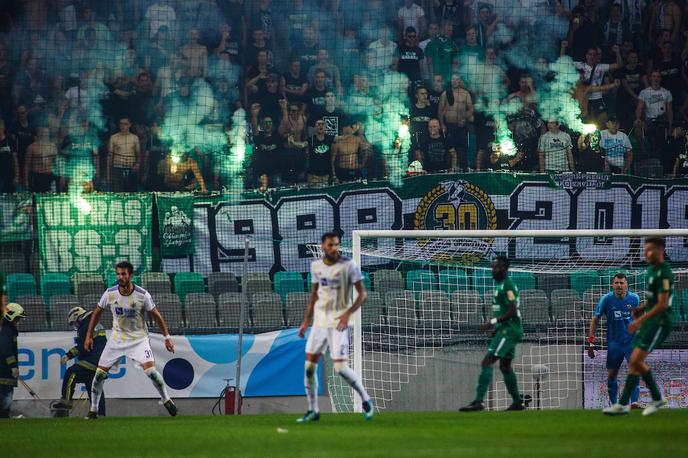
(321, 338)
(139, 351)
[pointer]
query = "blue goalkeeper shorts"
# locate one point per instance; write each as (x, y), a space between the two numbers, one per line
(615, 356)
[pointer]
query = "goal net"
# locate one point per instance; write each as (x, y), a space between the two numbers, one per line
(418, 344)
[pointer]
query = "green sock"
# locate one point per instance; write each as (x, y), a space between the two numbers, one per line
(652, 386)
(483, 382)
(512, 385)
(631, 382)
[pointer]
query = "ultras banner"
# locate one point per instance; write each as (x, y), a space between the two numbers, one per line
(281, 224)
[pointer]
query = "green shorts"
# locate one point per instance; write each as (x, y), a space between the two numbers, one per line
(503, 346)
(651, 335)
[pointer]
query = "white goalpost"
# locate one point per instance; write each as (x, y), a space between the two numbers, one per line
(416, 342)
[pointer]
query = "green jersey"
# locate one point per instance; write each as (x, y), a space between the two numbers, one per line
(506, 293)
(659, 279)
(442, 51)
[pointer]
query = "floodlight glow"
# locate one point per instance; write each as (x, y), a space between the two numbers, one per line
(404, 133)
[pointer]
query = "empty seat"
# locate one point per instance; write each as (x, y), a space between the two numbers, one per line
(583, 281)
(222, 282)
(80, 277)
(467, 307)
(288, 282)
(90, 302)
(59, 310)
(267, 311)
(453, 280)
(188, 282)
(148, 277)
(253, 286)
(401, 315)
(387, 280)
(563, 304)
(229, 309)
(200, 310)
(534, 306)
(88, 287)
(34, 308)
(256, 276)
(54, 284)
(551, 282)
(373, 310)
(391, 297)
(435, 310)
(296, 308)
(13, 264)
(20, 284)
(170, 308)
(421, 280)
(158, 287)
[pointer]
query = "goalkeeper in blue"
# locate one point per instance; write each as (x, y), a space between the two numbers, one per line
(333, 279)
(617, 308)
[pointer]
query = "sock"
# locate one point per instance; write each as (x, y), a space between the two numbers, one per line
(97, 388)
(483, 382)
(652, 386)
(613, 390)
(158, 382)
(512, 386)
(310, 381)
(632, 382)
(353, 379)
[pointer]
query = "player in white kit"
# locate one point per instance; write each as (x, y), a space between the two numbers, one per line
(129, 304)
(333, 280)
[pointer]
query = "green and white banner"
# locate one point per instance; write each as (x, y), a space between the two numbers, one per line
(91, 233)
(15, 217)
(175, 221)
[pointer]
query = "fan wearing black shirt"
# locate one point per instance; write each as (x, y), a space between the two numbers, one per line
(319, 157)
(268, 165)
(9, 164)
(409, 57)
(435, 151)
(294, 84)
(421, 113)
(315, 96)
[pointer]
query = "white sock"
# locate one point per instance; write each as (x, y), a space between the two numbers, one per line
(158, 382)
(353, 379)
(97, 388)
(310, 381)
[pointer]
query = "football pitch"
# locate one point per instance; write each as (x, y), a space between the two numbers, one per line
(484, 434)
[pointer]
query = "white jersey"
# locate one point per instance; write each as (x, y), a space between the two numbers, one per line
(128, 314)
(335, 289)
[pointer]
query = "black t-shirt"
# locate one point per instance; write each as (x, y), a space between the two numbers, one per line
(635, 81)
(294, 84)
(307, 54)
(6, 164)
(434, 98)
(409, 61)
(315, 98)
(267, 159)
(485, 128)
(419, 119)
(435, 152)
(320, 155)
(678, 149)
(24, 136)
(671, 75)
(269, 105)
(252, 54)
(590, 161)
(334, 120)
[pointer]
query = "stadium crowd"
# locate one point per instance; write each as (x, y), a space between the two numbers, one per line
(94, 91)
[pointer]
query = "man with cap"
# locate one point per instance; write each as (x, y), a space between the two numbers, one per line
(9, 365)
(84, 369)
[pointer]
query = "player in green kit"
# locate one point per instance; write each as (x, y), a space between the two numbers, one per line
(653, 321)
(508, 332)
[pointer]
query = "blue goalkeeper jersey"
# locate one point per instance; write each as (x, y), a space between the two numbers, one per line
(618, 314)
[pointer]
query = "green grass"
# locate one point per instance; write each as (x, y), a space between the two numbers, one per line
(579, 434)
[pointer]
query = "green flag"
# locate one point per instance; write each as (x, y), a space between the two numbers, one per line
(175, 220)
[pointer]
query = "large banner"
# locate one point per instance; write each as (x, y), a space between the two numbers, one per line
(280, 225)
(271, 365)
(175, 211)
(668, 368)
(92, 233)
(15, 217)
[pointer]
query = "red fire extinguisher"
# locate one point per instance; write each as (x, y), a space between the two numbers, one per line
(230, 398)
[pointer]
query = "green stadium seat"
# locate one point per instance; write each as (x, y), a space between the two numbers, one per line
(421, 280)
(54, 284)
(188, 282)
(453, 280)
(288, 282)
(20, 284)
(523, 280)
(483, 282)
(367, 282)
(583, 281)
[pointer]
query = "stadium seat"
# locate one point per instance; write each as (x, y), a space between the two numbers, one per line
(36, 317)
(387, 280)
(295, 304)
(20, 284)
(420, 280)
(453, 280)
(467, 307)
(222, 282)
(373, 310)
(367, 281)
(59, 309)
(592, 295)
(254, 286)
(288, 282)
(13, 263)
(159, 277)
(583, 281)
(88, 287)
(523, 280)
(229, 309)
(267, 312)
(90, 302)
(564, 304)
(256, 276)
(158, 287)
(551, 282)
(170, 307)
(391, 297)
(200, 311)
(680, 282)
(483, 282)
(534, 307)
(402, 315)
(54, 284)
(188, 282)
(84, 277)
(435, 311)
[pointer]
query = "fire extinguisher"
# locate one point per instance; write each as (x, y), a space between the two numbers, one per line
(230, 399)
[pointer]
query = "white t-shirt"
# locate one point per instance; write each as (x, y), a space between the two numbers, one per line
(655, 101)
(597, 77)
(555, 147)
(411, 17)
(160, 15)
(615, 147)
(383, 54)
(335, 289)
(128, 314)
